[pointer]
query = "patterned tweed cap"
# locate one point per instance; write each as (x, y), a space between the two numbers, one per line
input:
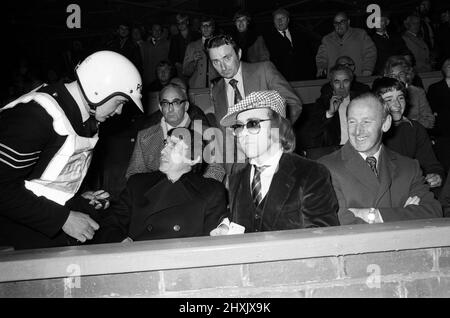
(261, 99)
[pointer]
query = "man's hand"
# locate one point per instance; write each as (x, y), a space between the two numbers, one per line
(434, 180)
(335, 102)
(415, 200)
(98, 198)
(366, 73)
(80, 226)
(364, 214)
(198, 55)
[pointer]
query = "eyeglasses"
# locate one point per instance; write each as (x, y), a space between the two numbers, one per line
(397, 76)
(253, 127)
(342, 22)
(175, 103)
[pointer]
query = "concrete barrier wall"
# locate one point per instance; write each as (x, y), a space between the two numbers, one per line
(401, 259)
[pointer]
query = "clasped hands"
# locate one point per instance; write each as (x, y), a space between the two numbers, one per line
(363, 213)
(99, 199)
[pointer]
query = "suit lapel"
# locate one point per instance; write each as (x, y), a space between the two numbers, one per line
(238, 182)
(221, 102)
(167, 195)
(359, 169)
(387, 170)
(280, 187)
(250, 83)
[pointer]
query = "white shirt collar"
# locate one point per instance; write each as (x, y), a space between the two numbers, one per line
(376, 155)
(270, 162)
(167, 127)
(237, 76)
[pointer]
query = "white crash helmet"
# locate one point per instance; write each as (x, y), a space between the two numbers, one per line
(105, 74)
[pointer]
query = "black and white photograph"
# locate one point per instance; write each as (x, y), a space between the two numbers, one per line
(225, 154)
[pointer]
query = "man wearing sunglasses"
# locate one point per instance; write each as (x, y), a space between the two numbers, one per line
(345, 40)
(240, 79)
(276, 190)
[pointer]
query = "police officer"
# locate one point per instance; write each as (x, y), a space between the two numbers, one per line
(46, 141)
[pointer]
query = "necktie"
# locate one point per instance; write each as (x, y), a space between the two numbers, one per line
(256, 185)
(285, 36)
(237, 94)
(372, 162)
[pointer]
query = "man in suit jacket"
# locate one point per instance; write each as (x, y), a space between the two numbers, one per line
(348, 41)
(388, 44)
(328, 122)
(277, 190)
(225, 56)
(439, 97)
(196, 65)
(175, 201)
(290, 49)
(176, 112)
(374, 184)
(417, 45)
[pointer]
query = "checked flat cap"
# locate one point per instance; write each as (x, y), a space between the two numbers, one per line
(261, 99)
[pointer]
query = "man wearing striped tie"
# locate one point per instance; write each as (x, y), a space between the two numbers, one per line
(277, 189)
(374, 184)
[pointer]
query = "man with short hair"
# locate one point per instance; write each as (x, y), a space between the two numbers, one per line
(291, 49)
(196, 65)
(417, 45)
(276, 190)
(345, 40)
(165, 71)
(155, 50)
(374, 184)
(387, 43)
(175, 111)
(240, 79)
(180, 41)
(328, 123)
(355, 86)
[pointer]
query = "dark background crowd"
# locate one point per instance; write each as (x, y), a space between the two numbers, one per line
(39, 47)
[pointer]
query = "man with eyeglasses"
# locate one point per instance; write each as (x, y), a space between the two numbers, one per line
(175, 111)
(356, 87)
(345, 40)
(196, 65)
(277, 189)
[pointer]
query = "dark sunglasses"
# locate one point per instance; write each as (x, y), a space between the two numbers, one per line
(253, 127)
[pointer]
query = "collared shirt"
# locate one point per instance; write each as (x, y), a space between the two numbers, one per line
(167, 127)
(376, 155)
(268, 173)
(288, 34)
(240, 85)
(343, 119)
(383, 34)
